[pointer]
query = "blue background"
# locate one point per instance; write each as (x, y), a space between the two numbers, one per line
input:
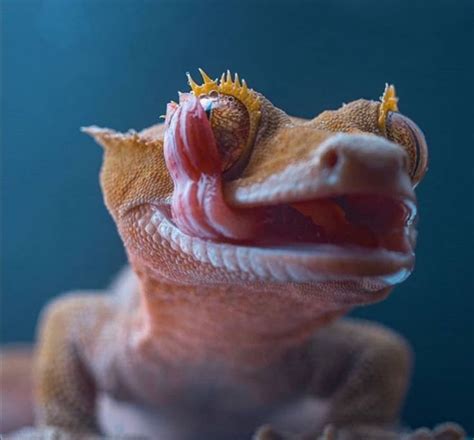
(116, 63)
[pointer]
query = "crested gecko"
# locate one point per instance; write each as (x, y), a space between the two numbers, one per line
(249, 234)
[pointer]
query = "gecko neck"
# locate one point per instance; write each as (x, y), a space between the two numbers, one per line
(237, 325)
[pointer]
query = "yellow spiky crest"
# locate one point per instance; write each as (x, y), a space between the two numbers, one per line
(236, 88)
(389, 103)
(226, 86)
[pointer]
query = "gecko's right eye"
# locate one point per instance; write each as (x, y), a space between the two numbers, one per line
(406, 133)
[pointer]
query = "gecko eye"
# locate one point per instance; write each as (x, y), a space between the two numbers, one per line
(230, 124)
(406, 133)
(233, 111)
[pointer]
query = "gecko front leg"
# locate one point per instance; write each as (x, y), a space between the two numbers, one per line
(65, 387)
(361, 373)
(360, 376)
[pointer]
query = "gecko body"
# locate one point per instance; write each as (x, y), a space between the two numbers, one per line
(249, 233)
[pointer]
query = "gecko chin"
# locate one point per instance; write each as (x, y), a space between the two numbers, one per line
(362, 239)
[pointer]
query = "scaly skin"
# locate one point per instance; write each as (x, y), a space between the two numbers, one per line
(213, 332)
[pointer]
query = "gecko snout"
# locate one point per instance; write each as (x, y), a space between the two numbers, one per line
(363, 164)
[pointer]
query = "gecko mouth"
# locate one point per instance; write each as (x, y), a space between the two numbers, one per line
(353, 220)
(347, 237)
(362, 221)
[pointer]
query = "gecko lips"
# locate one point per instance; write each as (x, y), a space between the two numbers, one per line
(192, 157)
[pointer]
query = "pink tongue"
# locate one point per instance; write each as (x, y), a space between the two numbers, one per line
(198, 207)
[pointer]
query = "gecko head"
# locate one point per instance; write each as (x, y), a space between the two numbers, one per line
(230, 190)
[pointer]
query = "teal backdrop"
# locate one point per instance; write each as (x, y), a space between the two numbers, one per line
(71, 63)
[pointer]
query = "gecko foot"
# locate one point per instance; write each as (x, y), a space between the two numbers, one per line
(54, 433)
(445, 431)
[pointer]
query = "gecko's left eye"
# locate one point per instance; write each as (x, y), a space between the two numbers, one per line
(233, 111)
(230, 124)
(406, 133)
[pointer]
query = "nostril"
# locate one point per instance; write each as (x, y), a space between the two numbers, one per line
(330, 159)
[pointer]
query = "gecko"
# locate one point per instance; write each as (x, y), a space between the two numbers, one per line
(250, 234)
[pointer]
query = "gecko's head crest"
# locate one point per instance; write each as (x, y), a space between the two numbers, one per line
(227, 86)
(389, 103)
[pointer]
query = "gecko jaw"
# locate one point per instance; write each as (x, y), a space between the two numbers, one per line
(292, 260)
